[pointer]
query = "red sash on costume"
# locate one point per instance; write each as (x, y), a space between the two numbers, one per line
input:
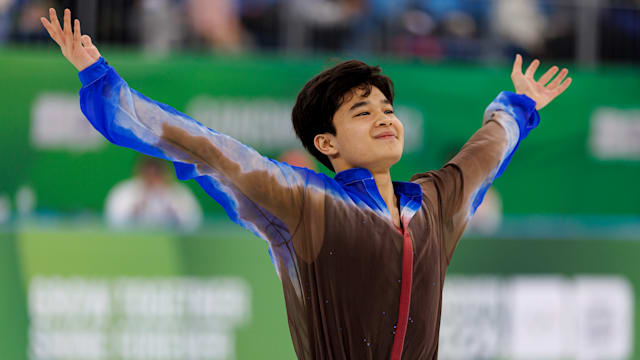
(405, 296)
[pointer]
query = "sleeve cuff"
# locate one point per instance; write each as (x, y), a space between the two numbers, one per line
(94, 71)
(521, 107)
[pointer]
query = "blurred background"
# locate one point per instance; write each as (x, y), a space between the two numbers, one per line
(104, 255)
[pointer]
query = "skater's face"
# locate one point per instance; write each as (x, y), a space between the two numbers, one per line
(368, 133)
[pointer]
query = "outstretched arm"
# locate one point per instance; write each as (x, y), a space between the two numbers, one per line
(461, 184)
(258, 193)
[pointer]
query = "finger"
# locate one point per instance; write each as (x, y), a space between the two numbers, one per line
(517, 65)
(544, 79)
(67, 23)
(91, 49)
(76, 33)
(565, 84)
(56, 24)
(554, 84)
(531, 70)
(47, 25)
(86, 41)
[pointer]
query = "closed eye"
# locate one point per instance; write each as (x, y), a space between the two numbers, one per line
(388, 112)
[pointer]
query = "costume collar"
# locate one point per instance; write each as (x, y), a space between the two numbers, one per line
(352, 175)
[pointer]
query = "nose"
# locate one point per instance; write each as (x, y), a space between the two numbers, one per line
(383, 120)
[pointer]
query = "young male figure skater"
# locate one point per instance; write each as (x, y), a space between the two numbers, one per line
(362, 259)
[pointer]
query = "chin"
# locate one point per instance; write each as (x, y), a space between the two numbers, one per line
(394, 157)
(384, 162)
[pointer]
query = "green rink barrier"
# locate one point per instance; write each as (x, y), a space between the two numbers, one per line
(162, 273)
(13, 304)
(214, 294)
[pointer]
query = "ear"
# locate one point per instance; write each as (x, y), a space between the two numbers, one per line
(325, 143)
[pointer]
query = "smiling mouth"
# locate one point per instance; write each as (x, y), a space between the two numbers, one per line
(385, 137)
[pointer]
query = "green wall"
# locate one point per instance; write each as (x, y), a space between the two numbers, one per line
(552, 172)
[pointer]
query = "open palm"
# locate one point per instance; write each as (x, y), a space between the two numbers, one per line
(77, 48)
(542, 91)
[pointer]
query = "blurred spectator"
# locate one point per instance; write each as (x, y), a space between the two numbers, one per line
(217, 22)
(323, 24)
(151, 198)
(620, 30)
(117, 21)
(432, 28)
(234, 25)
(27, 25)
(371, 31)
(457, 25)
(162, 25)
(5, 19)
(521, 23)
(560, 34)
(417, 35)
(262, 20)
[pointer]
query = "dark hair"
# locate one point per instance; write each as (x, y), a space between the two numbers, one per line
(321, 97)
(146, 163)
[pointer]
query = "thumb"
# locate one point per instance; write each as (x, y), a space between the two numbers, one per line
(86, 40)
(89, 47)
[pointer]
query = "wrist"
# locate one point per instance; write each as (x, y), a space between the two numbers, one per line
(521, 107)
(81, 65)
(93, 71)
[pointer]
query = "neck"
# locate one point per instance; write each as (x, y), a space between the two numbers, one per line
(385, 187)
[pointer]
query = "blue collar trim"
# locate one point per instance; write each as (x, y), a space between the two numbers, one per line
(352, 175)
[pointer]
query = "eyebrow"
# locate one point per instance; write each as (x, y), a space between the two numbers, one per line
(363, 103)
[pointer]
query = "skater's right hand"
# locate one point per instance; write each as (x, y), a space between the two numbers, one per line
(542, 91)
(77, 48)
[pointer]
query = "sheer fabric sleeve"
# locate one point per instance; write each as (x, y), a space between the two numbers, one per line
(457, 189)
(258, 193)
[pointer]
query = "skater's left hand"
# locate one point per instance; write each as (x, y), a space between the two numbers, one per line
(541, 91)
(77, 48)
